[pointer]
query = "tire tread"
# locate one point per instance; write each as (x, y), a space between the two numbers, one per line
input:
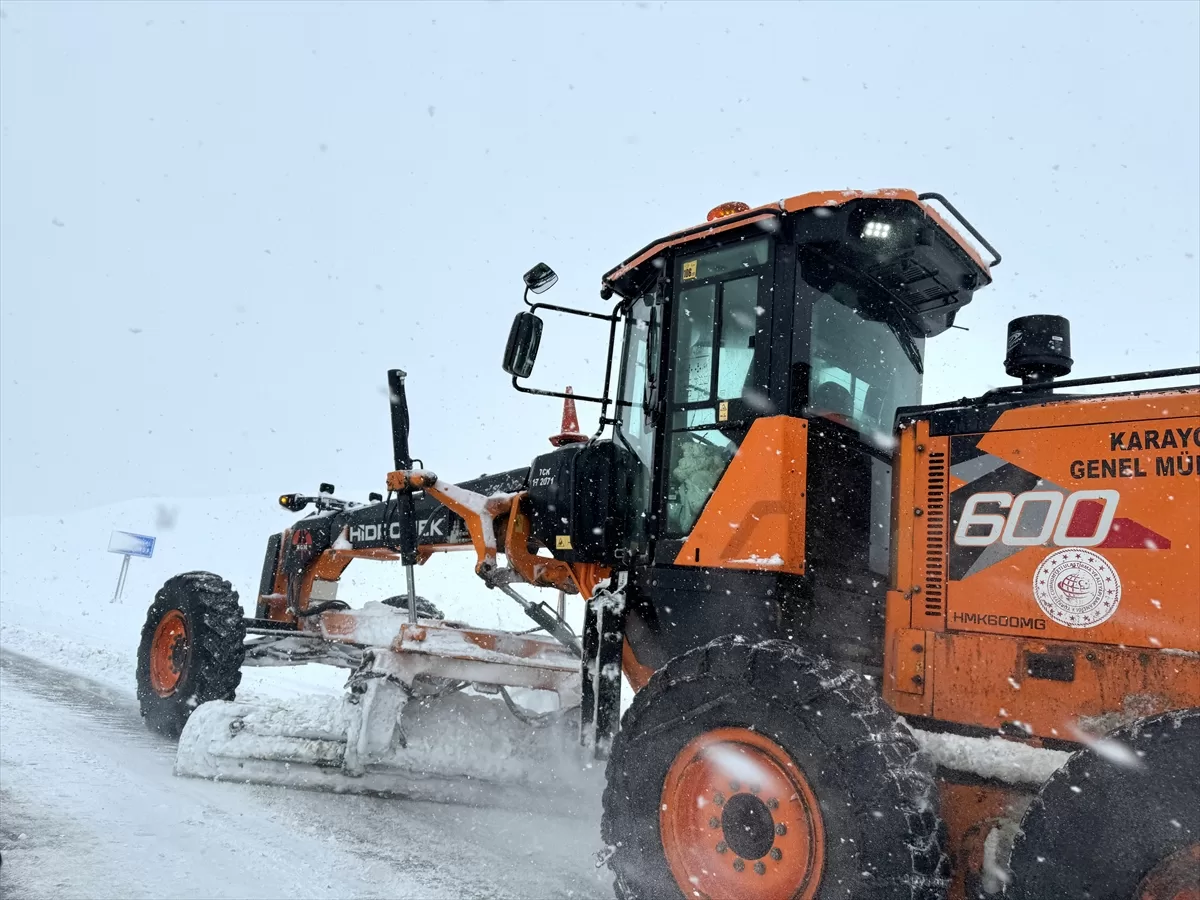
(796, 681)
(217, 630)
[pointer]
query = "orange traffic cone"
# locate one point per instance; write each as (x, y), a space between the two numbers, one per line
(570, 425)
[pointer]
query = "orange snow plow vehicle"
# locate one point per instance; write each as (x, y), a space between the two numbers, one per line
(878, 649)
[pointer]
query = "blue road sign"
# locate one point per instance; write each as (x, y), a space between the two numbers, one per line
(131, 544)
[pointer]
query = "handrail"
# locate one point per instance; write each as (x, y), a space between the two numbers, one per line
(963, 221)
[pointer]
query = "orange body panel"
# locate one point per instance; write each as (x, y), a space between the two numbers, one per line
(900, 689)
(904, 493)
(1051, 563)
(1158, 558)
(908, 674)
(985, 680)
(754, 519)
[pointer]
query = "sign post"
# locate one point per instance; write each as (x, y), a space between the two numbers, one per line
(128, 545)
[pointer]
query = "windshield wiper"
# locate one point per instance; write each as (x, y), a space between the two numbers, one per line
(911, 350)
(875, 302)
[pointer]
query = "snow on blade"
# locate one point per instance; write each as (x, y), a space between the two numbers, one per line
(456, 748)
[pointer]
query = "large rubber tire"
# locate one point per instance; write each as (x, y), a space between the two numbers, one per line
(875, 795)
(1099, 825)
(191, 651)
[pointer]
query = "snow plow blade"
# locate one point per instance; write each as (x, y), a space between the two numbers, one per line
(455, 749)
(426, 715)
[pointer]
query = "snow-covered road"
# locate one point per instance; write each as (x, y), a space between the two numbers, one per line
(89, 807)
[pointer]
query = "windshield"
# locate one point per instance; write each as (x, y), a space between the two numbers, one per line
(865, 363)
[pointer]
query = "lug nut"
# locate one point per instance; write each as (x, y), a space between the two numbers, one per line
(714, 822)
(755, 788)
(781, 829)
(738, 865)
(776, 854)
(760, 868)
(719, 799)
(722, 846)
(735, 786)
(772, 803)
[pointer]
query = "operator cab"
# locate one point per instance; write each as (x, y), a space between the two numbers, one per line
(815, 308)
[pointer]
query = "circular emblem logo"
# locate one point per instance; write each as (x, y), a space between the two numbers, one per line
(1077, 587)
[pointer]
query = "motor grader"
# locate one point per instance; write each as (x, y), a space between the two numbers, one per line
(856, 627)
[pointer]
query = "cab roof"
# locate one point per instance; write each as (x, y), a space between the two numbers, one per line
(618, 279)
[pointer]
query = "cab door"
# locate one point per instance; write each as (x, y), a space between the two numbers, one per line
(718, 376)
(636, 427)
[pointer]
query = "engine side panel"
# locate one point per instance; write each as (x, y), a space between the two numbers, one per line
(1048, 571)
(1100, 541)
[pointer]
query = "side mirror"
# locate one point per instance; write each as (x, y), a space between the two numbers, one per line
(520, 352)
(540, 278)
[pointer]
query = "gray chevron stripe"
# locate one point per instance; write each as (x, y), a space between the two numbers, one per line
(976, 468)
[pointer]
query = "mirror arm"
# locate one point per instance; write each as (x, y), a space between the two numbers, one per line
(612, 317)
(604, 401)
(561, 394)
(612, 342)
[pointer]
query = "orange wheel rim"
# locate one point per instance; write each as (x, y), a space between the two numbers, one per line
(169, 653)
(738, 819)
(1175, 878)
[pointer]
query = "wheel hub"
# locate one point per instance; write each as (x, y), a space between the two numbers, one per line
(738, 819)
(748, 826)
(169, 653)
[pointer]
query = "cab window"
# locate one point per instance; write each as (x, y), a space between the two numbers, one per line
(716, 342)
(865, 361)
(635, 424)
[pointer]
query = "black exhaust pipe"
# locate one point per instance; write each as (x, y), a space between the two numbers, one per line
(1039, 349)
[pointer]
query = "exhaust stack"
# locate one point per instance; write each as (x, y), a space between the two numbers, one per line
(1039, 349)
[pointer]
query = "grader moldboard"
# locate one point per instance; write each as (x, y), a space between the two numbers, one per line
(784, 553)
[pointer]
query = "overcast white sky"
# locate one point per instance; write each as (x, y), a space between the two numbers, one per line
(220, 223)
